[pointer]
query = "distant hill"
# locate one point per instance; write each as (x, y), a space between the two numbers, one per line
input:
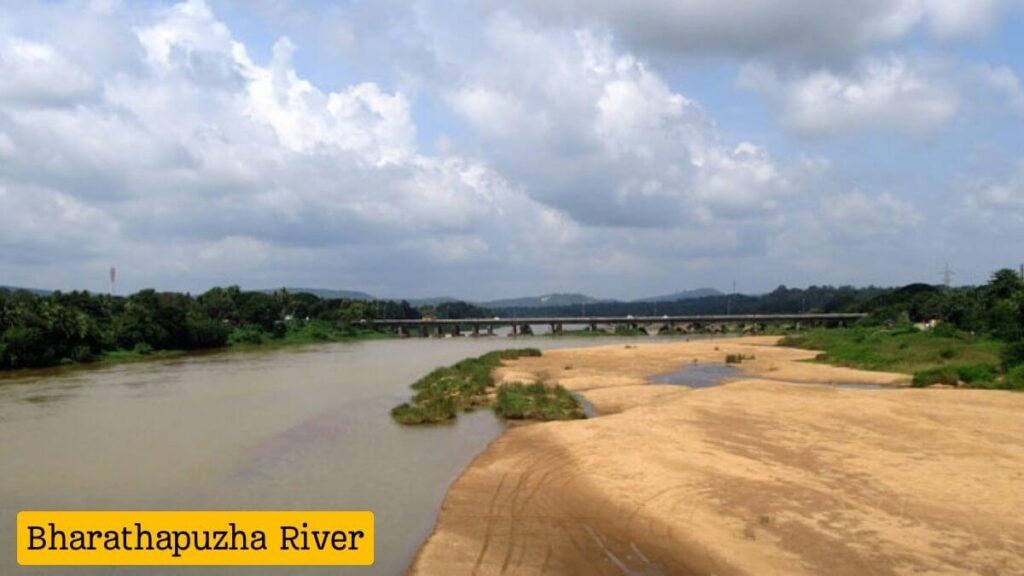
(543, 301)
(324, 293)
(682, 295)
(36, 291)
(431, 301)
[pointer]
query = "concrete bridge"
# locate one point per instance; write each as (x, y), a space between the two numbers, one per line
(714, 324)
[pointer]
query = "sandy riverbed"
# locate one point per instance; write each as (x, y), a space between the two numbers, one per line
(757, 476)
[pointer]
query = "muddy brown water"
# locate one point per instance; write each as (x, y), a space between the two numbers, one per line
(291, 429)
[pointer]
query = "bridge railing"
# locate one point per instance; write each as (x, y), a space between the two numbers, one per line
(588, 320)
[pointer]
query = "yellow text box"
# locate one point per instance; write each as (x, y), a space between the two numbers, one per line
(194, 538)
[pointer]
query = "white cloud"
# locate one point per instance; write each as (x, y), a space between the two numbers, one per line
(570, 154)
(610, 142)
(892, 93)
(958, 18)
(248, 165)
(857, 214)
(39, 75)
(493, 113)
(998, 199)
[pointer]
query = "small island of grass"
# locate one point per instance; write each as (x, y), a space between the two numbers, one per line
(468, 384)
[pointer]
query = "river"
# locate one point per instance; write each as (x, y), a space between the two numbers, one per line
(303, 428)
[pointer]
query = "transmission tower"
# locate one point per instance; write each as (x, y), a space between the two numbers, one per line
(947, 276)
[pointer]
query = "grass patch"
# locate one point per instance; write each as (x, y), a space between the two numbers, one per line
(907, 351)
(138, 355)
(941, 357)
(536, 402)
(975, 375)
(442, 393)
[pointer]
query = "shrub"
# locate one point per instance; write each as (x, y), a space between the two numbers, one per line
(537, 402)
(945, 375)
(1012, 355)
(462, 386)
(977, 373)
(733, 358)
(973, 374)
(433, 412)
(246, 335)
(142, 348)
(945, 330)
(80, 354)
(947, 353)
(1015, 378)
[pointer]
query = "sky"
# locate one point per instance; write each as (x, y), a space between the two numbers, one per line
(484, 149)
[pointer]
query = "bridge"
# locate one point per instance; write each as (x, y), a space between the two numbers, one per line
(703, 324)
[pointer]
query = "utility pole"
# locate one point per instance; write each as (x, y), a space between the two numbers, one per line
(113, 280)
(1022, 271)
(728, 306)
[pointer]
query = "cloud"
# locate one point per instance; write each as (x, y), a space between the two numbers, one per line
(1005, 82)
(950, 19)
(600, 135)
(196, 144)
(36, 74)
(890, 94)
(860, 215)
(991, 200)
(577, 147)
(805, 29)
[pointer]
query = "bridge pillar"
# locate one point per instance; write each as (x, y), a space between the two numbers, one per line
(476, 330)
(439, 331)
(456, 330)
(526, 330)
(490, 329)
(515, 330)
(593, 326)
(401, 331)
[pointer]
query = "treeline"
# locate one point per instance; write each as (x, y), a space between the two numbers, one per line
(455, 311)
(782, 300)
(81, 327)
(995, 309)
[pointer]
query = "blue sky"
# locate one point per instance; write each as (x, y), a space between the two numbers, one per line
(484, 149)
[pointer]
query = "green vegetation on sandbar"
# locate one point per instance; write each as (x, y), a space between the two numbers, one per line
(441, 394)
(972, 336)
(941, 356)
(536, 401)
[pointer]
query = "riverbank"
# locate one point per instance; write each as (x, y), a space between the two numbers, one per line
(266, 342)
(768, 474)
(117, 357)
